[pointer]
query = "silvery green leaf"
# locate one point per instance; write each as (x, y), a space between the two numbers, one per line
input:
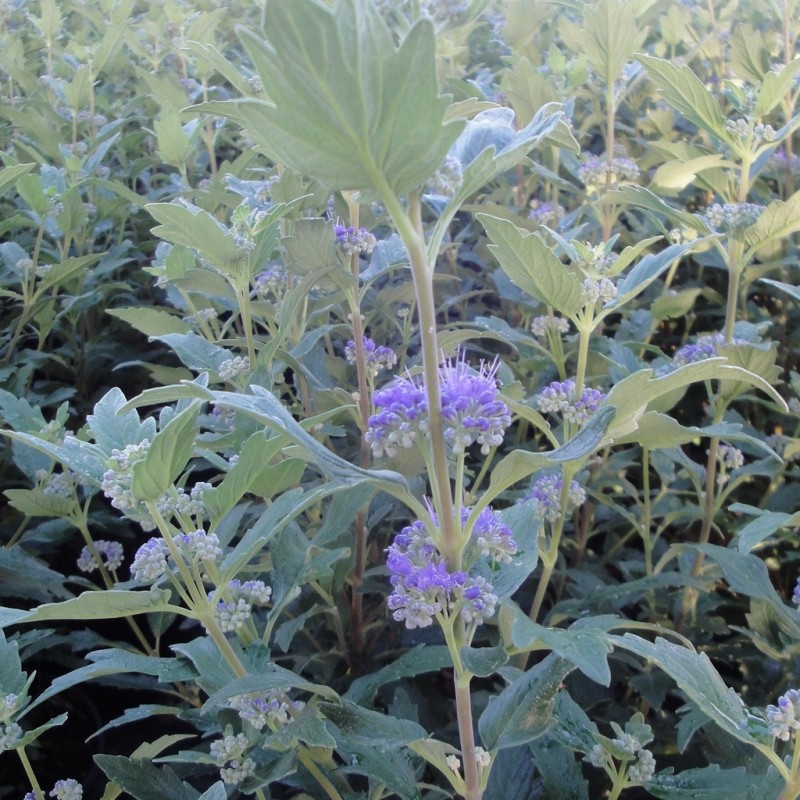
(345, 105)
(532, 266)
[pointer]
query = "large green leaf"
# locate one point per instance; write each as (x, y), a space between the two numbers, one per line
(345, 105)
(611, 37)
(713, 783)
(778, 220)
(698, 679)
(523, 711)
(168, 454)
(533, 266)
(93, 605)
(685, 92)
(371, 728)
(143, 781)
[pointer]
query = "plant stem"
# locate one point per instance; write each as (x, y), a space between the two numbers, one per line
(26, 765)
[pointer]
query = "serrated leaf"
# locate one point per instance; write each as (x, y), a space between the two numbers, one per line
(611, 37)
(150, 321)
(35, 503)
(143, 781)
(93, 605)
(678, 174)
(585, 648)
(418, 661)
(169, 452)
(777, 221)
(484, 661)
(371, 728)
(329, 115)
(532, 266)
(775, 86)
(523, 710)
(714, 783)
(174, 146)
(10, 175)
(685, 92)
(697, 678)
(113, 430)
(190, 226)
(312, 247)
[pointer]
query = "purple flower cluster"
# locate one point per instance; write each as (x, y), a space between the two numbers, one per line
(705, 347)
(352, 241)
(784, 718)
(594, 170)
(110, 553)
(423, 584)
(273, 708)
(471, 410)
(378, 356)
(546, 491)
(425, 588)
(559, 398)
(401, 413)
(234, 614)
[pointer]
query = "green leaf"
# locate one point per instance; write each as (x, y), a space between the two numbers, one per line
(532, 266)
(270, 676)
(484, 661)
(516, 466)
(312, 247)
(114, 430)
(422, 659)
(150, 321)
(777, 221)
(763, 526)
(188, 225)
(523, 711)
(35, 503)
(169, 452)
(111, 604)
(143, 781)
(678, 174)
(371, 728)
(685, 92)
(146, 711)
(775, 86)
(346, 107)
(10, 175)
(12, 678)
(713, 783)
(513, 775)
(525, 528)
(174, 146)
(611, 37)
(586, 648)
(698, 679)
(588, 439)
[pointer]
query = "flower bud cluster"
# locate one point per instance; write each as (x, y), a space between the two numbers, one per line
(600, 290)
(378, 357)
(732, 216)
(192, 504)
(445, 12)
(274, 281)
(640, 771)
(229, 754)
(68, 789)
(594, 170)
(549, 214)
(201, 315)
(447, 180)
(118, 478)
(424, 587)
(273, 709)
(233, 614)
(542, 325)
(784, 718)
(471, 410)
(730, 457)
(705, 347)
(152, 559)
(231, 368)
(55, 484)
(110, 553)
(10, 736)
(9, 705)
(740, 128)
(354, 242)
(781, 164)
(559, 398)
(546, 491)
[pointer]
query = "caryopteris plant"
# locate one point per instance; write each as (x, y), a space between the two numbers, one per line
(399, 400)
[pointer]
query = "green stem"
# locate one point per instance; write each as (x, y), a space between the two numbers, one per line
(26, 765)
(409, 227)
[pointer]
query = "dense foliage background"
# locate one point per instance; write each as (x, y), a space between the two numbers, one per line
(399, 399)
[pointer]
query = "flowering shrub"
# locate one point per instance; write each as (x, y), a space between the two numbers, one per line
(398, 399)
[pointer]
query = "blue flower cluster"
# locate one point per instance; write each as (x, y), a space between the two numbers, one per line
(546, 491)
(784, 718)
(352, 241)
(378, 356)
(471, 410)
(559, 398)
(424, 586)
